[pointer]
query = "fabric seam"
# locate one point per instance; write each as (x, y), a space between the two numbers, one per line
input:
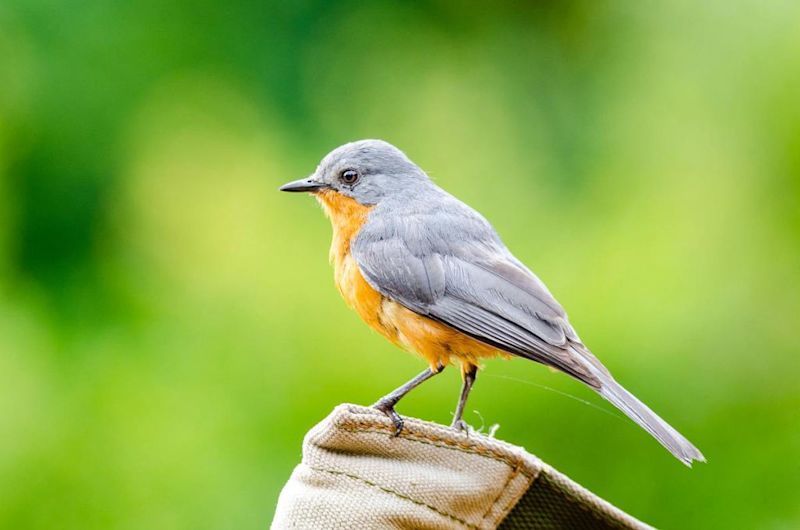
(517, 498)
(513, 502)
(430, 440)
(514, 472)
(393, 492)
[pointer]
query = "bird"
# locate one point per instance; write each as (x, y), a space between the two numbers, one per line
(432, 276)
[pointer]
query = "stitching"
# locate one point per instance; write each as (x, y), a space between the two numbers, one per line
(412, 436)
(511, 476)
(448, 444)
(513, 502)
(395, 493)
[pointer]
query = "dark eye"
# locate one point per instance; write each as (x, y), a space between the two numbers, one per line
(349, 176)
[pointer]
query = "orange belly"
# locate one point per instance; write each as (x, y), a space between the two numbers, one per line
(437, 343)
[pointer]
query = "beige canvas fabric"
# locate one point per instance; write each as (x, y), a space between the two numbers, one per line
(355, 475)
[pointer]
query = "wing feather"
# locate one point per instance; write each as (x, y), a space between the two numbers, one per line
(469, 281)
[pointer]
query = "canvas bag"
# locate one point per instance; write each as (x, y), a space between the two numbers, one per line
(354, 474)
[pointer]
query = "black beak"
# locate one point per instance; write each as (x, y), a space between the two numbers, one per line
(306, 184)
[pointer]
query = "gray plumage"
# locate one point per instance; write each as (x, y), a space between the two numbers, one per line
(431, 253)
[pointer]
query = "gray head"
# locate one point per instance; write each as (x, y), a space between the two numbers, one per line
(367, 171)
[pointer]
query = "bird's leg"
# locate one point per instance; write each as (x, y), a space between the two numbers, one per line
(386, 403)
(469, 378)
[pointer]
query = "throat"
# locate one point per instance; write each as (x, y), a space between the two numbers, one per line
(347, 217)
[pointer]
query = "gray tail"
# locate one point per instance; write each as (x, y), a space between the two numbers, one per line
(650, 421)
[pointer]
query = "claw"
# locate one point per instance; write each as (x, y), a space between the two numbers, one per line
(386, 404)
(388, 409)
(461, 426)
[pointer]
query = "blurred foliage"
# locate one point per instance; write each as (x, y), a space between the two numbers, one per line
(168, 325)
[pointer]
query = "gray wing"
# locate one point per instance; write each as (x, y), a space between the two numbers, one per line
(448, 263)
(441, 259)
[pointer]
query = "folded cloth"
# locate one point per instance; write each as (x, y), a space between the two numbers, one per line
(355, 474)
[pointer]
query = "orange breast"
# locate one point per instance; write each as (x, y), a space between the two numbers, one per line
(434, 341)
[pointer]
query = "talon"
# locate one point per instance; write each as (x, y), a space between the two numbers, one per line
(398, 424)
(388, 409)
(461, 426)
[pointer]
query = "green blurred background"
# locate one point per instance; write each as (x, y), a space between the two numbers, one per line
(169, 328)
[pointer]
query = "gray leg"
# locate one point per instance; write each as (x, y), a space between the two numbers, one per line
(469, 379)
(386, 403)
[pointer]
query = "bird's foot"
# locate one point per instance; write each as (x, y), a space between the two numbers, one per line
(461, 426)
(387, 407)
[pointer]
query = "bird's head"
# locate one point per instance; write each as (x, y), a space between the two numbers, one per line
(366, 171)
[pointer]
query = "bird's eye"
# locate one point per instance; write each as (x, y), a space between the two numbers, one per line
(349, 176)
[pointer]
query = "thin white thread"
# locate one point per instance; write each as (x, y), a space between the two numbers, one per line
(576, 398)
(483, 423)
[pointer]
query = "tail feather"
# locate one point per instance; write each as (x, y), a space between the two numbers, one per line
(650, 421)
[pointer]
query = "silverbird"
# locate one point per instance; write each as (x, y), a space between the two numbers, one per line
(430, 274)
